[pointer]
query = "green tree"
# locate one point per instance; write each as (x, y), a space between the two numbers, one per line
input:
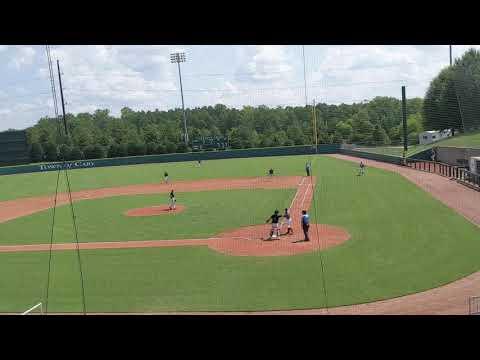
(51, 151)
(136, 148)
(36, 152)
(414, 123)
(161, 149)
(380, 136)
(170, 147)
(76, 153)
(453, 97)
(151, 148)
(183, 148)
(64, 152)
(95, 152)
(344, 130)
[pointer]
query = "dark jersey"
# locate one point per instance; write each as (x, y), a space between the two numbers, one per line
(275, 218)
(286, 215)
(270, 171)
(172, 195)
(166, 174)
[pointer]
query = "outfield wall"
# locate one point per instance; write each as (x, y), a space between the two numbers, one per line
(422, 155)
(13, 148)
(373, 156)
(166, 158)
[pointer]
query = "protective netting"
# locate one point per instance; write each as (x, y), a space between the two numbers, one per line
(198, 235)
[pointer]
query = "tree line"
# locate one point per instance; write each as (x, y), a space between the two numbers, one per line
(99, 134)
(452, 100)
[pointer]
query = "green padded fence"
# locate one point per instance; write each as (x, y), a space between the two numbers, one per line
(372, 156)
(193, 156)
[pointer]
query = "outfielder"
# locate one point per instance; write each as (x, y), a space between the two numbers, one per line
(362, 168)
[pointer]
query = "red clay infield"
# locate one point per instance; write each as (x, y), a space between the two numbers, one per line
(155, 210)
(247, 241)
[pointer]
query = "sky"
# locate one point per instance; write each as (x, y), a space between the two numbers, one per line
(143, 78)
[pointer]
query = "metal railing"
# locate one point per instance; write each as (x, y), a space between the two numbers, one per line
(458, 173)
(474, 305)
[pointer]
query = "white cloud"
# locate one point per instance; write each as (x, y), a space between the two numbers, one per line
(106, 75)
(24, 56)
(267, 63)
(142, 77)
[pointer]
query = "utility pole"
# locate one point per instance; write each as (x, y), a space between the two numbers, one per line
(450, 46)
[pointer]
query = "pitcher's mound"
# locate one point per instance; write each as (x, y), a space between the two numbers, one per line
(253, 241)
(154, 210)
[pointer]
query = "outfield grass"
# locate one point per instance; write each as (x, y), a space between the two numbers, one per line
(403, 241)
(35, 184)
(467, 140)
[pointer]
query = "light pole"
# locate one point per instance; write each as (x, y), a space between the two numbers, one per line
(178, 58)
(304, 75)
(450, 47)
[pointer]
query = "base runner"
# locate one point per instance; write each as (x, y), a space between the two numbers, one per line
(287, 219)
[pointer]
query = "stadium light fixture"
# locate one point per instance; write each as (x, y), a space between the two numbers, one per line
(178, 58)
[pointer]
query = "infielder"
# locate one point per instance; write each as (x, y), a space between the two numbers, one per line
(173, 201)
(308, 168)
(165, 176)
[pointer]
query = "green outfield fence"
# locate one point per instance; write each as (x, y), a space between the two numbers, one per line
(164, 158)
(13, 148)
(372, 156)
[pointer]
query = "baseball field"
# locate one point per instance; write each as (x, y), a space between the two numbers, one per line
(374, 237)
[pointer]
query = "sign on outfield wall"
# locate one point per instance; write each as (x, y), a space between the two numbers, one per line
(69, 165)
(166, 158)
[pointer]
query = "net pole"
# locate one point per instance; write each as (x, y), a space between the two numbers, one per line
(314, 124)
(404, 120)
